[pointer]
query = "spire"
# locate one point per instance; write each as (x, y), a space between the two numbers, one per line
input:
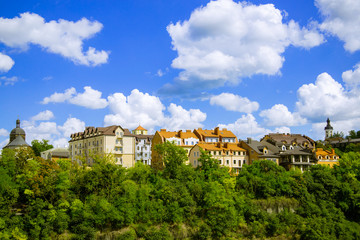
(328, 126)
(18, 123)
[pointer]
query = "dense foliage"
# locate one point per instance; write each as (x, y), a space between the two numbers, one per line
(40, 146)
(60, 200)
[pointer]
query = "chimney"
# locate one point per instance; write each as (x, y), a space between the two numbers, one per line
(216, 130)
(188, 131)
(163, 130)
(333, 151)
(249, 140)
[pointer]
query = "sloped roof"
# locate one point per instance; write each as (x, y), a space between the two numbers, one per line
(140, 128)
(17, 142)
(215, 132)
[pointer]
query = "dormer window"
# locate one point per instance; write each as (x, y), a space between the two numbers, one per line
(265, 151)
(291, 147)
(283, 148)
(319, 157)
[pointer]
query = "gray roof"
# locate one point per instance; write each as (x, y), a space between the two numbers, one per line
(57, 152)
(259, 146)
(17, 142)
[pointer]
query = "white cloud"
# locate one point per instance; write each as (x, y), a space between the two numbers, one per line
(181, 118)
(6, 81)
(60, 97)
(90, 98)
(328, 98)
(43, 116)
(61, 37)
(342, 19)
(279, 115)
(72, 125)
(234, 102)
(6, 63)
(352, 78)
(282, 130)
(245, 127)
(225, 41)
(3, 132)
(58, 135)
(147, 110)
(3, 143)
(160, 73)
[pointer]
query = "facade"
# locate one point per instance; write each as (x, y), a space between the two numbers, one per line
(231, 155)
(328, 130)
(17, 137)
(186, 140)
(295, 151)
(114, 140)
(261, 151)
(55, 154)
(326, 157)
(142, 145)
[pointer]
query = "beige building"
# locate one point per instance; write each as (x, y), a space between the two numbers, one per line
(113, 140)
(228, 154)
(142, 145)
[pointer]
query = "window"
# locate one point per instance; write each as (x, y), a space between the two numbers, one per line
(192, 143)
(145, 154)
(194, 154)
(234, 162)
(227, 162)
(244, 161)
(220, 162)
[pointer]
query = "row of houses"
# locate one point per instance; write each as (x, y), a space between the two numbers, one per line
(292, 151)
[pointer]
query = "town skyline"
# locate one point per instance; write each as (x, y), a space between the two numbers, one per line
(253, 68)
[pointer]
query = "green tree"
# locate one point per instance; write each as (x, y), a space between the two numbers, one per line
(173, 157)
(40, 146)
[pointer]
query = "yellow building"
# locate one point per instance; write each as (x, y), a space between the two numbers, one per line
(231, 155)
(185, 140)
(114, 140)
(326, 157)
(140, 131)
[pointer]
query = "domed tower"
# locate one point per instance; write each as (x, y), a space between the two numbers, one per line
(328, 130)
(17, 132)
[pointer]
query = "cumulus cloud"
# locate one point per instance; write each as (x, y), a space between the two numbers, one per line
(328, 98)
(58, 135)
(60, 97)
(352, 78)
(282, 130)
(6, 63)
(342, 19)
(234, 102)
(279, 115)
(147, 110)
(60, 37)
(225, 41)
(245, 127)
(90, 98)
(3, 132)
(6, 81)
(43, 116)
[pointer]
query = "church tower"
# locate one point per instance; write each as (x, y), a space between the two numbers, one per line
(328, 130)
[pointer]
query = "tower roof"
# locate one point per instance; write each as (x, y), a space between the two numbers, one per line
(140, 128)
(17, 142)
(328, 126)
(17, 130)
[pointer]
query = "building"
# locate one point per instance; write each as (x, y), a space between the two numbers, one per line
(215, 135)
(326, 157)
(55, 154)
(186, 140)
(261, 150)
(113, 140)
(295, 150)
(142, 145)
(328, 130)
(228, 154)
(17, 137)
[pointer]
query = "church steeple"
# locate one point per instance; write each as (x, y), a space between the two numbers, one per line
(328, 130)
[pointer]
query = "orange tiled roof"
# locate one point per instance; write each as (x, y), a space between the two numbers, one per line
(215, 132)
(221, 147)
(140, 128)
(323, 153)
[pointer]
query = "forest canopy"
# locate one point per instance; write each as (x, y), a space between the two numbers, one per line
(46, 199)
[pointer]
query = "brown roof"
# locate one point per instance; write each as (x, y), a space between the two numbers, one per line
(109, 131)
(221, 147)
(287, 138)
(179, 134)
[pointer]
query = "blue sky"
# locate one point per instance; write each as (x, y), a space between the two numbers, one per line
(254, 68)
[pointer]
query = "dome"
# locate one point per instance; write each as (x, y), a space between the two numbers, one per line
(17, 131)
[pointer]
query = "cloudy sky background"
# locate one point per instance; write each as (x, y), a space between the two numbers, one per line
(252, 67)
